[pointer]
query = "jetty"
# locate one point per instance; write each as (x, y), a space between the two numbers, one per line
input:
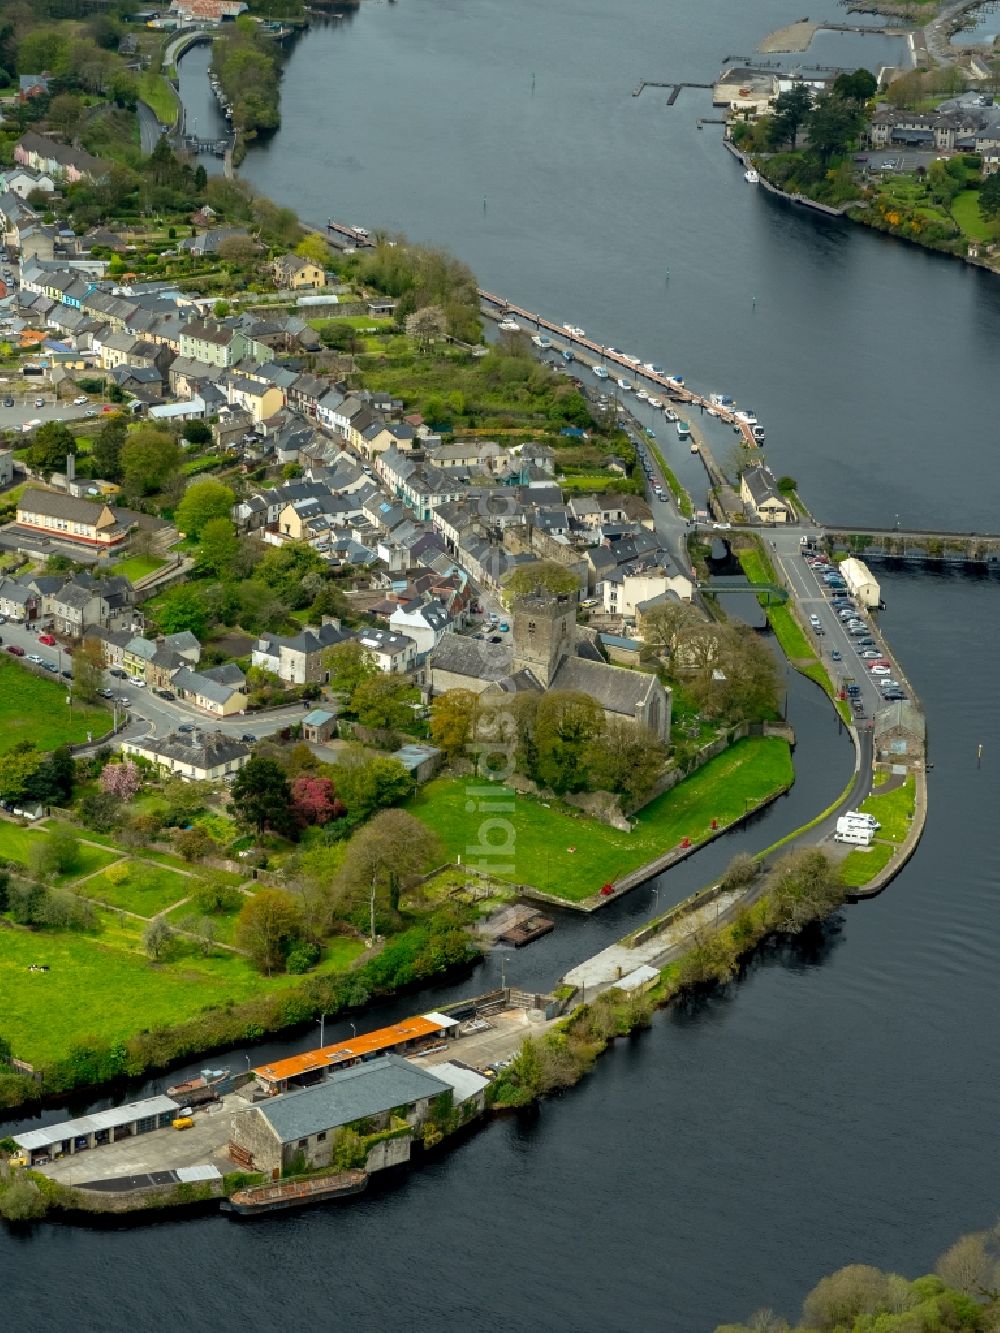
(356, 235)
(593, 354)
(675, 86)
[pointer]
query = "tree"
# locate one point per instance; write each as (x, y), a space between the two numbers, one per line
(56, 854)
(790, 111)
(22, 1200)
(386, 856)
(201, 502)
(158, 939)
(542, 576)
(625, 758)
(383, 701)
(832, 127)
(664, 625)
(368, 783)
(566, 723)
(314, 800)
(314, 248)
(837, 1300)
(989, 196)
(239, 251)
(122, 780)
(64, 114)
(182, 609)
(219, 546)
(857, 87)
(805, 886)
(88, 670)
(427, 325)
(194, 844)
(221, 309)
(453, 717)
(972, 1265)
(52, 782)
(149, 457)
(267, 927)
(50, 444)
(17, 767)
(349, 665)
(261, 797)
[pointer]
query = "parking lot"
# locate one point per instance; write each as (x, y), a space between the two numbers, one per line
(830, 629)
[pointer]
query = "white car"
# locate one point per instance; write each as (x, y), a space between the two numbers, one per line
(33, 657)
(81, 401)
(881, 671)
(137, 681)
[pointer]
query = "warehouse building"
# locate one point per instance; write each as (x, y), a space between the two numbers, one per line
(96, 1130)
(861, 582)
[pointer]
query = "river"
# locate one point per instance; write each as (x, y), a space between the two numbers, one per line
(835, 1106)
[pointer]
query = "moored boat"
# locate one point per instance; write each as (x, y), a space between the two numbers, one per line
(600, 372)
(295, 1193)
(204, 1088)
(751, 176)
(683, 430)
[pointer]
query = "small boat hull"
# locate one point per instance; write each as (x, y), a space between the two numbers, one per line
(295, 1194)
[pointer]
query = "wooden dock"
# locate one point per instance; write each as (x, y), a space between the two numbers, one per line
(674, 85)
(360, 238)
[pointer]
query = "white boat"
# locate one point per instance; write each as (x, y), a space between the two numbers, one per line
(624, 385)
(655, 402)
(751, 176)
(694, 446)
(642, 395)
(600, 372)
(683, 430)
(509, 326)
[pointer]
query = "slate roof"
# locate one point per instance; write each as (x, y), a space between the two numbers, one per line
(204, 749)
(475, 658)
(616, 689)
(357, 1093)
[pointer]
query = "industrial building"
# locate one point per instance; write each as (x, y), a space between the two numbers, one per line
(302, 1071)
(861, 582)
(96, 1130)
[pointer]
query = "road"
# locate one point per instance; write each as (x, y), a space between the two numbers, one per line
(149, 128)
(149, 714)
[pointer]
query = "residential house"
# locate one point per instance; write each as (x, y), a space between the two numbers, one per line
(294, 271)
(212, 342)
(17, 601)
(69, 519)
(622, 592)
(390, 435)
(197, 756)
(423, 622)
(137, 654)
(57, 159)
(261, 401)
(30, 86)
(22, 181)
(759, 493)
(208, 242)
(6, 467)
(300, 659)
(220, 690)
(395, 654)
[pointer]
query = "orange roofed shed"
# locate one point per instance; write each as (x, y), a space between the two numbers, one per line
(312, 1066)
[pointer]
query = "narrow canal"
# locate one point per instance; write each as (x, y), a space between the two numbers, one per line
(837, 1105)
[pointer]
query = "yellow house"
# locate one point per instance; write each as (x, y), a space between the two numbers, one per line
(260, 400)
(295, 271)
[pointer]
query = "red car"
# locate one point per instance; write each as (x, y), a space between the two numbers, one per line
(47, 639)
(14, 650)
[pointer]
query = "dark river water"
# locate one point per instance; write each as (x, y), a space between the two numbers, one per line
(838, 1105)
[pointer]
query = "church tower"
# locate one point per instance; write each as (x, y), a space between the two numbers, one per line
(544, 633)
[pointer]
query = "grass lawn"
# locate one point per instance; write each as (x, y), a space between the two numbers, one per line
(965, 209)
(34, 708)
(101, 986)
(157, 92)
(789, 633)
(88, 860)
(224, 923)
(16, 842)
(893, 809)
(147, 891)
(136, 567)
(571, 856)
(863, 864)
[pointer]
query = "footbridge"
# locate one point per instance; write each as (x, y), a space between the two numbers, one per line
(771, 592)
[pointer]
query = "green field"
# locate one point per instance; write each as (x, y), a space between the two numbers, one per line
(34, 708)
(863, 864)
(893, 809)
(572, 856)
(965, 210)
(147, 891)
(136, 567)
(99, 986)
(16, 843)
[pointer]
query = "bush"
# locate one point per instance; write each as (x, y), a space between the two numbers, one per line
(22, 1200)
(303, 957)
(117, 874)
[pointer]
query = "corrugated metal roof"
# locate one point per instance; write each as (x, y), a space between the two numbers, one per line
(89, 1124)
(344, 1052)
(465, 1083)
(192, 1173)
(348, 1095)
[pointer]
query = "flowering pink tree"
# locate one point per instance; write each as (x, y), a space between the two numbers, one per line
(314, 800)
(122, 780)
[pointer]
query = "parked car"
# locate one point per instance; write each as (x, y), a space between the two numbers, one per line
(105, 693)
(67, 674)
(168, 695)
(39, 402)
(836, 655)
(81, 401)
(15, 650)
(248, 738)
(34, 658)
(47, 639)
(118, 673)
(187, 726)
